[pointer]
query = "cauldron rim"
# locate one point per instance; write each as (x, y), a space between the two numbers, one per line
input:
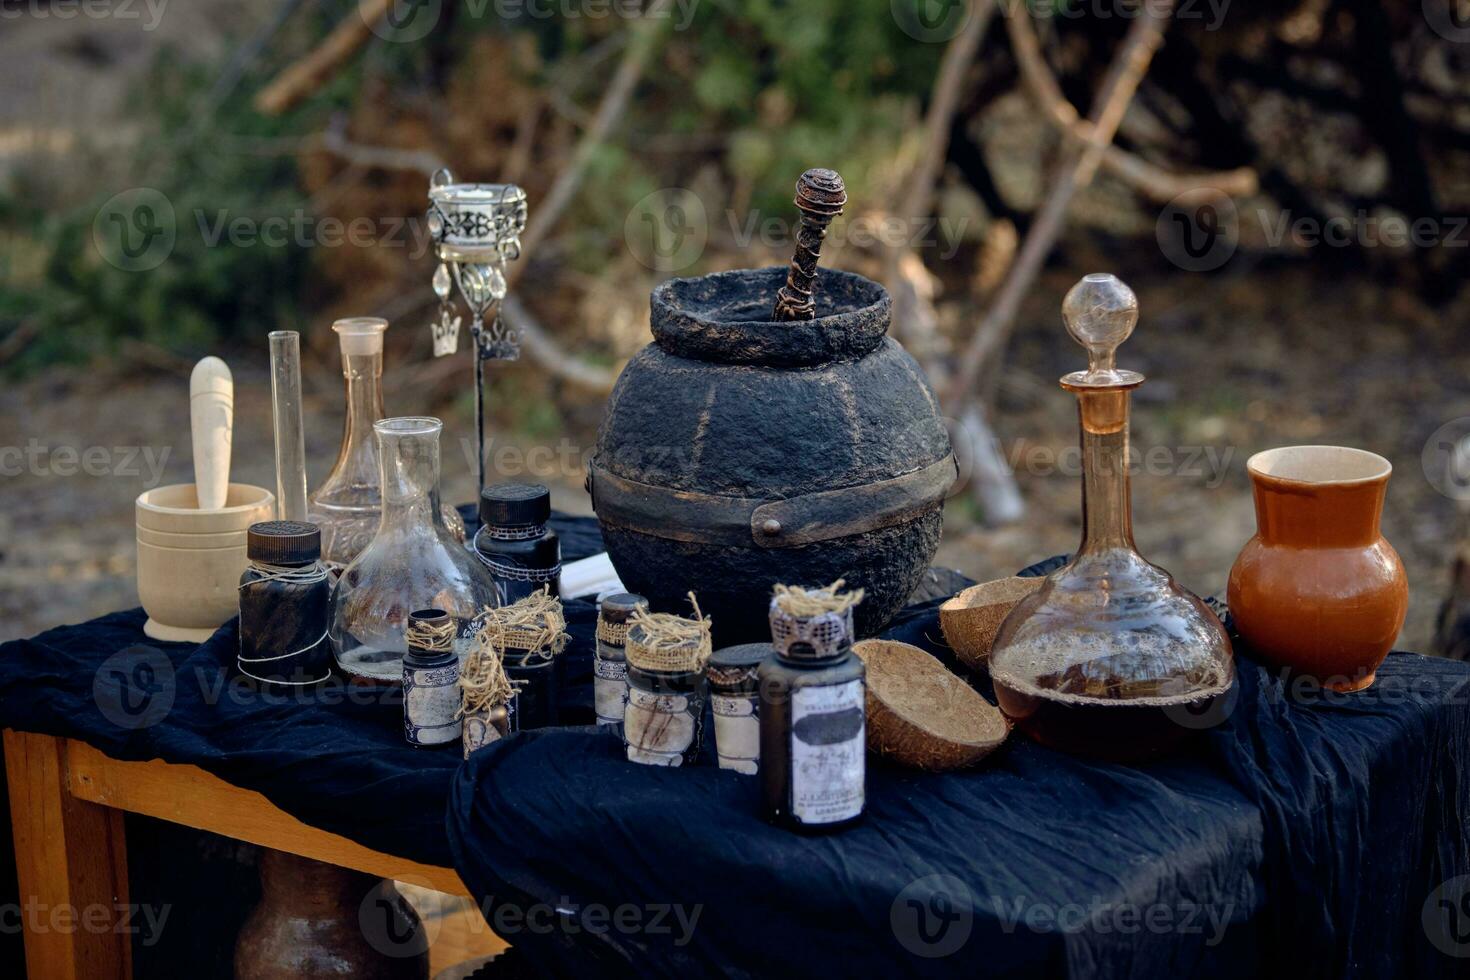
(705, 318)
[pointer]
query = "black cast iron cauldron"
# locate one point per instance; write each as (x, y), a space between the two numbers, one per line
(738, 452)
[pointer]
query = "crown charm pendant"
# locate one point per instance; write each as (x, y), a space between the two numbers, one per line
(446, 332)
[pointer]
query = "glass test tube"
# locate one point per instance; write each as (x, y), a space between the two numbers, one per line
(289, 431)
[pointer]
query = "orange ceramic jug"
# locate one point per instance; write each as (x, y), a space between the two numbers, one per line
(1319, 591)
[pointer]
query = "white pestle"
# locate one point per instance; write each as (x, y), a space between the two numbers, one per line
(212, 422)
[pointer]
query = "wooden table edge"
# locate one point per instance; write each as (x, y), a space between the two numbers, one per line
(67, 801)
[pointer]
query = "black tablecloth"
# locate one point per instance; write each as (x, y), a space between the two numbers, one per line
(333, 757)
(1305, 832)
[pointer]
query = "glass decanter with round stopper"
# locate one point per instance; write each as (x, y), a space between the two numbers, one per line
(413, 562)
(1110, 657)
(348, 504)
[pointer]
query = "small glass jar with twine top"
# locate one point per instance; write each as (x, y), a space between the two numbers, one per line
(610, 664)
(431, 698)
(663, 721)
(511, 667)
(812, 711)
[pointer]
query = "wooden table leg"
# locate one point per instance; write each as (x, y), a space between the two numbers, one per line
(71, 859)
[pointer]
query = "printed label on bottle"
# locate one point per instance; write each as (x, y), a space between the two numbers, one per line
(737, 732)
(609, 690)
(828, 745)
(479, 731)
(658, 728)
(431, 702)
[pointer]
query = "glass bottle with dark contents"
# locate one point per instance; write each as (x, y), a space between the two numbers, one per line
(514, 543)
(285, 605)
(663, 723)
(734, 691)
(1111, 657)
(813, 740)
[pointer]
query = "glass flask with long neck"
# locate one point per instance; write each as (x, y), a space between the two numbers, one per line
(1110, 657)
(349, 501)
(413, 561)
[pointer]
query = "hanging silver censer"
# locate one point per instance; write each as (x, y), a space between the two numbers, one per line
(476, 230)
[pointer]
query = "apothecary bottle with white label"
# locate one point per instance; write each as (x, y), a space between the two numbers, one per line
(610, 661)
(431, 698)
(663, 723)
(813, 741)
(734, 696)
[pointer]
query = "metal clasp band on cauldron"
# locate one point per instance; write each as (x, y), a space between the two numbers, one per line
(702, 518)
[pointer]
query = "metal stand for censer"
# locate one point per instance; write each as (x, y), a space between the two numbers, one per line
(476, 230)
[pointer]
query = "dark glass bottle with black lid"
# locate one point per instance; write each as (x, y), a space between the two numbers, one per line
(514, 543)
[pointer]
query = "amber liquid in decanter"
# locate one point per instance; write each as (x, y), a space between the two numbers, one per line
(1111, 657)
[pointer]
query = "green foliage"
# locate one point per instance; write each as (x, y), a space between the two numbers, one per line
(775, 86)
(84, 302)
(761, 89)
(797, 85)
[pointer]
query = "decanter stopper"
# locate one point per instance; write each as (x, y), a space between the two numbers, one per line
(1100, 313)
(820, 196)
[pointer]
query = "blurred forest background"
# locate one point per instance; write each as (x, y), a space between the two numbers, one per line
(1283, 184)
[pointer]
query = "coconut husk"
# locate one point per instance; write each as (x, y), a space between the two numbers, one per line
(921, 715)
(971, 619)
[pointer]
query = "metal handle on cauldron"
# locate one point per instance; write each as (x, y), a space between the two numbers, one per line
(821, 196)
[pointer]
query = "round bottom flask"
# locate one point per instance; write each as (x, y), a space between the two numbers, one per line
(1110, 657)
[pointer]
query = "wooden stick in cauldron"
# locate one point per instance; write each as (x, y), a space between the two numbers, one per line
(821, 195)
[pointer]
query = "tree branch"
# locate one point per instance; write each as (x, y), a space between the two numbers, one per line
(1078, 166)
(545, 351)
(301, 78)
(1152, 181)
(913, 313)
(334, 140)
(953, 67)
(646, 32)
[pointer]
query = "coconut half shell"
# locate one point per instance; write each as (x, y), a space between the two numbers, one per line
(972, 618)
(921, 715)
